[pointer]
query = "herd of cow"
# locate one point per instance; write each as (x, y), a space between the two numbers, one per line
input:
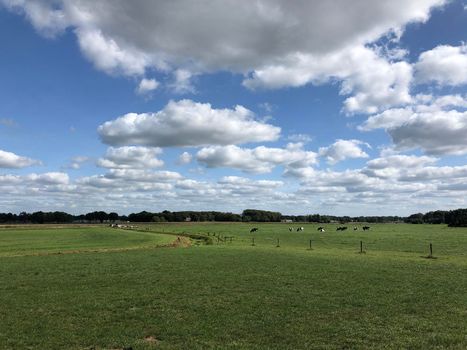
(320, 229)
(343, 228)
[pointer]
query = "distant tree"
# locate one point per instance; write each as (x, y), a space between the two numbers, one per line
(113, 216)
(246, 218)
(457, 217)
(157, 218)
(415, 219)
(262, 215)
(435, 217)
(24, 217)
(97, 216)
(143, 216)
(37, 217)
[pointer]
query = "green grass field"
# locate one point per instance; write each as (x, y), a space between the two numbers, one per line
(31, 241)
(117, 289)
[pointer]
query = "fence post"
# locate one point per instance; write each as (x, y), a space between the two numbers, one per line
(278, 245)
(253, 241)
(361, 247)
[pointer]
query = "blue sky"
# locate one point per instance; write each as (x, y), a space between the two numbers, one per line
(310, 107)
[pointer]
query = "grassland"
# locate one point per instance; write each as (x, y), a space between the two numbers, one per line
(33, 240)
(233, 295)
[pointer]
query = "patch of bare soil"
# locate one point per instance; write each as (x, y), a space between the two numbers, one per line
(181, 242)
(151, 339)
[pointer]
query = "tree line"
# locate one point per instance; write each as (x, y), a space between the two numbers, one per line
(58, 217)
(248, 215)
(453, 218)
(456, 217)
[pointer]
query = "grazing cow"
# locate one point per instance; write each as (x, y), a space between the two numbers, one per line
(365, 228)
(321, 229)
(355, 228)
(341, 228)
(290, 229)
(300, 229)
(254, 229)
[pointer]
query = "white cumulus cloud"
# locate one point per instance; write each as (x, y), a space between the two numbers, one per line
(343, 149)
(108, 55)
(141, 33)
(278, 42)
(187, 123)
(445, 65)
(185, 158)
(436, 125)
(256, 160)
(182, 82)
(131, 157)
(51, 178)
(147, 85)
(436, 133)
(12, 160)
(372, 81)
(392, 166)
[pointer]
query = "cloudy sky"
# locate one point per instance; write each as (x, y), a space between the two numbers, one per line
(310, 106)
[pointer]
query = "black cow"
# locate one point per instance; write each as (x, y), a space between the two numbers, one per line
(321, 229)
(254, 229)
(342, 228)
(365, 228)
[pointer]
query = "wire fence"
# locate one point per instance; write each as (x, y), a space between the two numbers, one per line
(311, 242)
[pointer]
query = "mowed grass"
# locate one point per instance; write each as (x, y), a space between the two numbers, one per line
(36, 240)
(239, 296)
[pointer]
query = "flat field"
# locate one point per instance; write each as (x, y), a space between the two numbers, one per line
(102, 288)
(35, 240)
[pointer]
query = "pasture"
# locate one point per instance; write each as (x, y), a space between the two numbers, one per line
(102, 288)
(34, 241)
